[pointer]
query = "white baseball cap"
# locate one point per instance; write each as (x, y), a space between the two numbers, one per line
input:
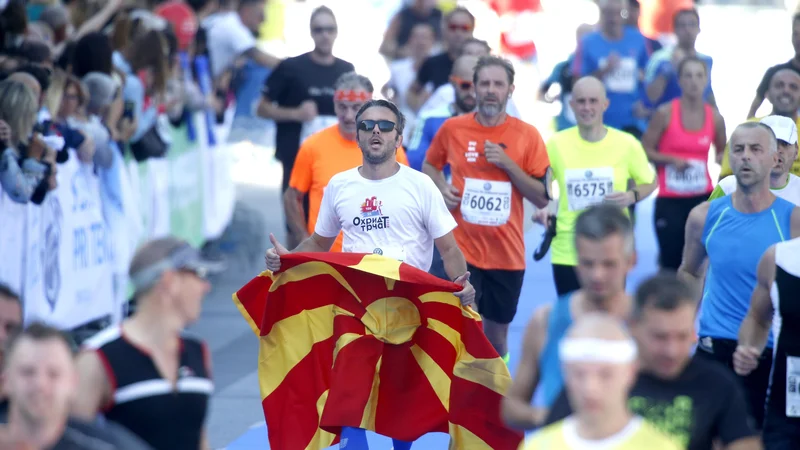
(784, 128)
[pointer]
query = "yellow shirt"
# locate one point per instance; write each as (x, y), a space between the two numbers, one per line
(586, 172)
(637, 435)
(726, 165)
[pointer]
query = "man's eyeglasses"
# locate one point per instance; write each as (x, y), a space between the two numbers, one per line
(384, 125)
(320, 30)
(461, 83)
(459, 27)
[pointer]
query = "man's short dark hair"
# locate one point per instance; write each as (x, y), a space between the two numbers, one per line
(321, 10)
(598, 222)
(681, 12)
(663, 292)
(494, 61)
(459, 10)
(39, 332)
(474, 40)
(9, 294)
(399, 124)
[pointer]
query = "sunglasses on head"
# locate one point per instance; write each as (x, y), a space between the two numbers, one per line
(461, 83)
(459, 27)
(384, 125)
(320, 30)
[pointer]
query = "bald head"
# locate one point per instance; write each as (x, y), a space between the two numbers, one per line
(590, 86)
(29, 81)
(464, 67)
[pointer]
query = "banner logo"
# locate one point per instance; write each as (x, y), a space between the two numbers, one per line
(51, 250)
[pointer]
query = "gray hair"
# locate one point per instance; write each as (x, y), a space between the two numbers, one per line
(55, 17)
(495, 61)
(352, 80)
(773, 141)
(598, 222)
(101, 90)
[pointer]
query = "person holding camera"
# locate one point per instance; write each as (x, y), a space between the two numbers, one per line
(27, 165)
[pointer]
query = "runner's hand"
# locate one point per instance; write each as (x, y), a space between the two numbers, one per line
(467, 295)
(681, 164)
(540, 216)
(745, 359)
(621, 199)
(306, 111)
(273, 258)
(495, 154)
(452, 198)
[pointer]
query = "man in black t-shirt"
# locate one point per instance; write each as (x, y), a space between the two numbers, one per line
(792, 64)
(457, 28)
(298, 94)
(697, 402)
(41, 379)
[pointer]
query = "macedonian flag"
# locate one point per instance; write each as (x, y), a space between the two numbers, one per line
(365, 341)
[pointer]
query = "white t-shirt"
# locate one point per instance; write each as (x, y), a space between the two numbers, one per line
(790, 192)
(446, 94)
(398, 217)
(228, 39)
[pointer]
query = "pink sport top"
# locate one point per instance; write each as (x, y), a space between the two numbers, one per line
(689, 145)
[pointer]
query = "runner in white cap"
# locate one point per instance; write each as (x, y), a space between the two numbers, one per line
(783, 183)
(599, 359)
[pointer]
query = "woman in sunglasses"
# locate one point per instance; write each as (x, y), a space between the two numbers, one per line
(385, 208)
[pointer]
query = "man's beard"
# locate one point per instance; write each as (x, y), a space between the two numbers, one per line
(462, 106)
(374, 159)
(491, 110)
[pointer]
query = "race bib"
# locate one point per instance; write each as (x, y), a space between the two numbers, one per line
(623, 78)
(319, 123)
(486, 202)
(587, 187)
(690, 181)
(792, 378)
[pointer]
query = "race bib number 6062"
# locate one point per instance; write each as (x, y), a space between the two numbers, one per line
(486, 202)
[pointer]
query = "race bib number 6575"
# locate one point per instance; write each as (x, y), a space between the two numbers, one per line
(587, 187)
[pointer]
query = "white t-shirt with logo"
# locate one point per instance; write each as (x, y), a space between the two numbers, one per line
(398, 217)
(790, 192)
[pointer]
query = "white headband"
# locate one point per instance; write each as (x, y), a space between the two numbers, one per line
(597, 350)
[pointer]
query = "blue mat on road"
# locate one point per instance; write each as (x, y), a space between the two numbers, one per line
(537, 290)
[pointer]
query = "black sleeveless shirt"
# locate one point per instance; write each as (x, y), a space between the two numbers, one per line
(166, 417)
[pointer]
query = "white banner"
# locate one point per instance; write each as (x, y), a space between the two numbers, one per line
(12, 244)
(219, 195)
(75, 286)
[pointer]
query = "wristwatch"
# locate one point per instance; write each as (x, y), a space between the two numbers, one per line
(635, 195)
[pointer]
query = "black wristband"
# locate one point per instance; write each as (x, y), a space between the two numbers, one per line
(635, 195)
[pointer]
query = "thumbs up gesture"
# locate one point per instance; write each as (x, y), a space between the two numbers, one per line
(273, 257)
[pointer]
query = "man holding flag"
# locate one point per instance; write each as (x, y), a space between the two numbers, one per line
(383, 208)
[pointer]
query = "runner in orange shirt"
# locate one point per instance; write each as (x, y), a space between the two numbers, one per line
(326, 153)
(496, 160)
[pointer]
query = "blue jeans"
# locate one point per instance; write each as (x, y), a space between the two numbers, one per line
(356, 439)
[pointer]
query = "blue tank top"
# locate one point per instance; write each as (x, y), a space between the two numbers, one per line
(551, 381)
(735, 242)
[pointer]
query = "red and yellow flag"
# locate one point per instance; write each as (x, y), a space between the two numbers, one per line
(365, 341)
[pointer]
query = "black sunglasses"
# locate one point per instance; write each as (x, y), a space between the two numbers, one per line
(320, 30)
(384, 125)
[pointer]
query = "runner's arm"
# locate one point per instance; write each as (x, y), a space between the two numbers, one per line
(530, 187)
(754, 331)
(295, 212)
(262, 58)
(315, 244)
(795, 225)
(94, 388)
(389, 47)
(436, 175)
(516, 407)
(454, 263)
(720, 136)
(694, 252)
(757, 101)
(269, 110)
(652, 136)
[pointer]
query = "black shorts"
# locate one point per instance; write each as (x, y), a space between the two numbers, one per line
(755, 384)
(670, 217)
(496, 292)
(566, 279)
(781, 432)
